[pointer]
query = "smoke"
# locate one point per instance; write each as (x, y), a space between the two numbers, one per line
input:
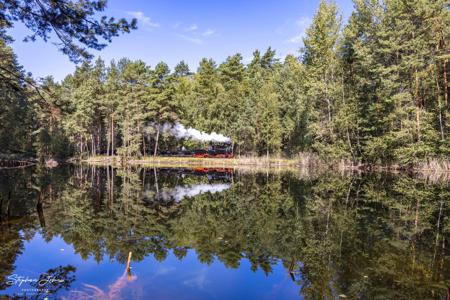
(181, 192)
(179, 131)
(178, 193)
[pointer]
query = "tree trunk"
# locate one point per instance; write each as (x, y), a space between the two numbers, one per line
(350, 144)
(156, 142)
(445, 84)
(108, 139)
(441, 125)
(437, 231)
(329, 110)
(127, 140)
(112, 184)
(81, 147)
(156, 180)
(418, 106)
(418, 123)
(108, 185)
(92, 145)
(112, 135)
(40, 210)
(99, 140)
(143, 144)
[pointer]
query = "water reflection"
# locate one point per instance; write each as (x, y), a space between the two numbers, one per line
(182, 186)
(369, 237)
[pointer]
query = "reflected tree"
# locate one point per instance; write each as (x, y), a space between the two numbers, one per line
(374, 236)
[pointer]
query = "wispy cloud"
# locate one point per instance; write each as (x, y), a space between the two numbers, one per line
(142, 18)
(193, 33)
(191, 39)
(164, 271)
(297, 39)
(208, 32)
(198, 280)
(193, 27)
(302, 24)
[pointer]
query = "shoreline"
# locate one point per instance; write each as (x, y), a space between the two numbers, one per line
(307, 162)
(301, 162)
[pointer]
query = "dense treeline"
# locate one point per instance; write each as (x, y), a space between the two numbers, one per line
(375, 90)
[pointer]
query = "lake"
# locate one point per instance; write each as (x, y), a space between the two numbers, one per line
(78, 232)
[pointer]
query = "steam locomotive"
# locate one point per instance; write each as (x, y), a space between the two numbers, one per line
(217, 150)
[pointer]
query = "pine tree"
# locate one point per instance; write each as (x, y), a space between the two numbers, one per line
(161, 107)
(290, 88)
(205, 91)
(133, 97)
(15, 111)
(323, 83)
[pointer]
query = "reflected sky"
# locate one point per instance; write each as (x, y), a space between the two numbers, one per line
(71, 233)
(170, 279)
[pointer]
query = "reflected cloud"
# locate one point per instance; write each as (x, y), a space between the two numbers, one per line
(198, 280)
(164, 271)
(178, 193)
(181, 192)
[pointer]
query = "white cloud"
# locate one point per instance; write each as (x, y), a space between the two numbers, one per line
(297, 39)
(302, 24)
(208, 32)
(142, 18)
(193, 40)
(198, 280)
(194, 34)
(164, 271)
(193, 27)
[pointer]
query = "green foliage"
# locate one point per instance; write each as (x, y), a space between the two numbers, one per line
(14, 108)
(73, 23)
(375, 91)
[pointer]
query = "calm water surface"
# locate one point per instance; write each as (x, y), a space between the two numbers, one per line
(102, 233)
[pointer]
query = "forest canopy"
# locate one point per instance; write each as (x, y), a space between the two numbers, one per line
(373, 90)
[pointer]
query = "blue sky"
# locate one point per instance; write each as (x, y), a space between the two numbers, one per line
(174, 30)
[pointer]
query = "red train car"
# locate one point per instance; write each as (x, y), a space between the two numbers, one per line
(215, 151)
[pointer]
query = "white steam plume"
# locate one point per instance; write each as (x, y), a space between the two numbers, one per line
(181, 192)
(179, 131)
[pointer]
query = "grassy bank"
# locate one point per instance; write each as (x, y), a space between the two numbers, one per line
(164, 161)
(434, 165)
(303, 161)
